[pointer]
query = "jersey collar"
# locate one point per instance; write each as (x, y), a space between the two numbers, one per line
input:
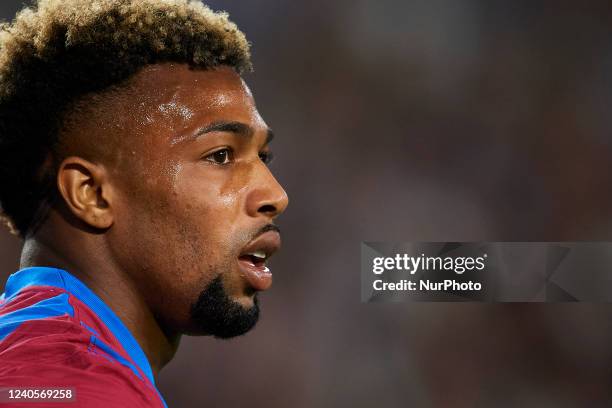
(45, 276)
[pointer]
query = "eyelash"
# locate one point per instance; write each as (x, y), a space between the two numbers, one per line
(265, 157)
(229, 157)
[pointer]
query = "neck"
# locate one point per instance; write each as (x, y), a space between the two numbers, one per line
(89, 262)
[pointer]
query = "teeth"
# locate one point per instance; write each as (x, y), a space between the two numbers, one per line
(259, 254)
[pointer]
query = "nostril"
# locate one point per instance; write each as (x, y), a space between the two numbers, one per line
(268, 208)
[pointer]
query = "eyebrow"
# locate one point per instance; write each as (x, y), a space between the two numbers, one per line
(238, 128)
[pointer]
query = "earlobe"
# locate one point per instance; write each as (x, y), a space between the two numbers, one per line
(86, 192)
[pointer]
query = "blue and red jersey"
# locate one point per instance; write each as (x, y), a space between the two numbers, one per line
(56, 333)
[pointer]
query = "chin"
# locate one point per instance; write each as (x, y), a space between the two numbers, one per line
(217, 314)
(247, 301)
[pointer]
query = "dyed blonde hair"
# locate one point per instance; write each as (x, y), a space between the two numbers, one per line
(58, 51)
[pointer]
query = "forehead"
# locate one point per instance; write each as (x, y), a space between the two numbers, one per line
(160, 105)
(163, 81)
(176, 96)
(164, 104)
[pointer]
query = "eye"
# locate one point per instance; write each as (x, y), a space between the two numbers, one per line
(266, 157)
(223, 156)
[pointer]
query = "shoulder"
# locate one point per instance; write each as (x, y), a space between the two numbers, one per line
(43, 345)
(73, 360)
(98, 386)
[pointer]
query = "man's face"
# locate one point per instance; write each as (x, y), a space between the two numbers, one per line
(194, 199)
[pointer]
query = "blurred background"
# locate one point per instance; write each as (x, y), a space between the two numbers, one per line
(428, 120)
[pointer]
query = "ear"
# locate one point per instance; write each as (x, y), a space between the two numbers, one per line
(86, 191)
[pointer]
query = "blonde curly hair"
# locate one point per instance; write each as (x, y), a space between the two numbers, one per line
(58, 51)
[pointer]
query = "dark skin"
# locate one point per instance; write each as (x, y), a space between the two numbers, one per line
(163, 183)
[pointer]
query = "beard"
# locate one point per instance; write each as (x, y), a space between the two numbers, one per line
(215, 314)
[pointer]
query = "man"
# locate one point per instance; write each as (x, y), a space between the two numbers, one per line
(134, 166)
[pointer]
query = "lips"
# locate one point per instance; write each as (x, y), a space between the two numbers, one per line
(253, 258)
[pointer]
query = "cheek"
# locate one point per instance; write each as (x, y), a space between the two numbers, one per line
(212, 200)
(166, 243)
(163, 253)
(176, 235)
(213, 197)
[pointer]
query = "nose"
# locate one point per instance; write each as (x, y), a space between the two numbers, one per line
(267, 197)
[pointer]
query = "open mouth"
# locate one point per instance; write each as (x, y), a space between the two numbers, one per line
(257, 259)
(252, 260)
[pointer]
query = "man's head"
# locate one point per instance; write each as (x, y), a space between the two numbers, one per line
(128, 121)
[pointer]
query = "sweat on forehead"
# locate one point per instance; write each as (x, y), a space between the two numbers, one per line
(173, 98)
(162, 85)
